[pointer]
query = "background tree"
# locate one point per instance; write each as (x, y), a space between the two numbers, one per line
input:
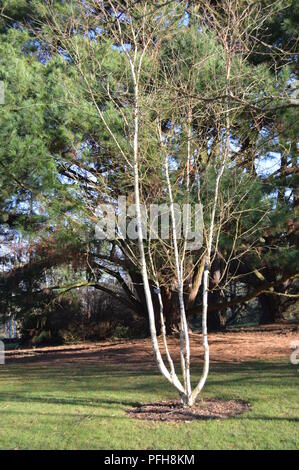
(206, 124)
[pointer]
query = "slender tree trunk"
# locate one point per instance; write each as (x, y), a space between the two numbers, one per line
(223, 158)
(184, 335)
(147, 291)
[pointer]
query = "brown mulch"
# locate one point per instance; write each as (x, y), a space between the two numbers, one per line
(205, 408)
(234, 346)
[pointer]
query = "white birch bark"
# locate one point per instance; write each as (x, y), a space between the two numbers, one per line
(205, 343)
(184, 334)
(150, 308)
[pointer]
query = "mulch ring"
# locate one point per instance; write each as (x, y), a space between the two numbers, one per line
(205, 408)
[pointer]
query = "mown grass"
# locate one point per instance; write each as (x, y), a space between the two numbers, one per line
(76, 407)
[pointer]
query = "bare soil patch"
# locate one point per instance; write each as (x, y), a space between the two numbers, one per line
(233, 346)
(205, 408)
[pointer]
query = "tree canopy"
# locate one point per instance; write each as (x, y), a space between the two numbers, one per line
(63, 66)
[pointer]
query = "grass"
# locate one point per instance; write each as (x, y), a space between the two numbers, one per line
(76, 407)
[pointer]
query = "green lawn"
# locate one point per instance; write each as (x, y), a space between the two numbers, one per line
(75, 407)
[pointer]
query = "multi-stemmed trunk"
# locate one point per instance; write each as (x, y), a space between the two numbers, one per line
(188, 396)
(135, 58)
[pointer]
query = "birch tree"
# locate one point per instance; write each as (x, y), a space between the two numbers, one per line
(169, 84)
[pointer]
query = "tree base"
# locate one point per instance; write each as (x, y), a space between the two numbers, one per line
(204, 408)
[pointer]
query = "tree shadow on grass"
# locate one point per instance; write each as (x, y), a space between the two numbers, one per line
(125, 417)
(91, 402)
(124, 369)
(268, 418)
